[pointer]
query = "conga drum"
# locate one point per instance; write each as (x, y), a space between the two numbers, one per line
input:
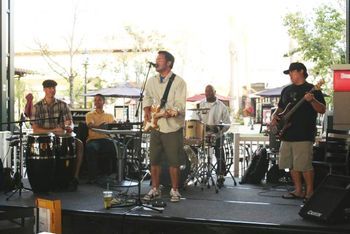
(65, 150)
(40, 161)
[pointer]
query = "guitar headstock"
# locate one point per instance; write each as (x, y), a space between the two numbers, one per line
(319, 84)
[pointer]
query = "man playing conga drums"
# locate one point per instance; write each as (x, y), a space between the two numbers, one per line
(53, 115)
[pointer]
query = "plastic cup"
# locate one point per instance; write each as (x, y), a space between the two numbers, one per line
(107, 199)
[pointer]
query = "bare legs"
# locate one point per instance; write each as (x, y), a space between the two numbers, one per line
(309, 181)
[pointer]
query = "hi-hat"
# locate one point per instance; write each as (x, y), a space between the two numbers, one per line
(199, 109)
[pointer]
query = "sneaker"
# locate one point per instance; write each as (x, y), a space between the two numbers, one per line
(175, 195)
(152, 194)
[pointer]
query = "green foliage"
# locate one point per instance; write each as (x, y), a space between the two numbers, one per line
(320, 40)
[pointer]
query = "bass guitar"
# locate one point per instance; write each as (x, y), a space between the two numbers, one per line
(156, 114)
(283, 123)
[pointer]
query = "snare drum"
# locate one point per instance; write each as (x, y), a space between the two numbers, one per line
(65, 150)
(194, 132)
(40, 161)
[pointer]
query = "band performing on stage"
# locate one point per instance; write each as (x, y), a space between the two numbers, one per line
(172, 145)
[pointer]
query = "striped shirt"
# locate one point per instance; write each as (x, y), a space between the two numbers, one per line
(51, 116)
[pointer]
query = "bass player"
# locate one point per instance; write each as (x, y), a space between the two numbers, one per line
(297, 139)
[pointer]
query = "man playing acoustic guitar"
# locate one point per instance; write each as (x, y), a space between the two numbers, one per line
(299, 132)
(168, 91)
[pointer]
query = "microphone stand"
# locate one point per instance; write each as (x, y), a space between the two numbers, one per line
(138, 201)
(19, 173)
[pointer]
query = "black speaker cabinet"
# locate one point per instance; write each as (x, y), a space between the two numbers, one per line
(330, 201)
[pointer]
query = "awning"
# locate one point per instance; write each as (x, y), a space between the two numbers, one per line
(124, 90)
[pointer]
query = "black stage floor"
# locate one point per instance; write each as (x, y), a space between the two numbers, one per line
(234, 209)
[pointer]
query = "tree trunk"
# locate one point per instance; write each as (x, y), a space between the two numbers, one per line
(71, 88)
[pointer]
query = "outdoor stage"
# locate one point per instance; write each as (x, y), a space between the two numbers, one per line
(234, 209)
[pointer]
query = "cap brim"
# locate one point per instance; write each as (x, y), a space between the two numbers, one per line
(286, 72)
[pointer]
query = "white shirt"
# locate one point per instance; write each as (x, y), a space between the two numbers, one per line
(176, 100)
(217, 114)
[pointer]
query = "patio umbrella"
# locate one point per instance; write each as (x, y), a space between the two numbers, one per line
(123, 91)
(200, 97)
(274, 92)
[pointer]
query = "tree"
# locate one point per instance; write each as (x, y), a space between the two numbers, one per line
(143, 44)
(320, 40)
(68, 73)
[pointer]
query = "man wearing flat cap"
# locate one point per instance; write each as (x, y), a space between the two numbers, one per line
(299, 132)
(49, 83)
(53, 115)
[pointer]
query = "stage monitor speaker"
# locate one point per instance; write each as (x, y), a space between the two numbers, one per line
(330, 201)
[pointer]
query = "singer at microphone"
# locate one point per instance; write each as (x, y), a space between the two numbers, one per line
(152, 64)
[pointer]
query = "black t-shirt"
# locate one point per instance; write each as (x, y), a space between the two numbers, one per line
(303, 120)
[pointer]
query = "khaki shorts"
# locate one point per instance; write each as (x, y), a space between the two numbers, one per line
(168, 145)
(296, 155)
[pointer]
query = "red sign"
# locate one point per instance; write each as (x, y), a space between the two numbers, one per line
(341, 82)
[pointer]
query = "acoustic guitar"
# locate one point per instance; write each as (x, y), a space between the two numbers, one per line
(156, 114)
(283, 124)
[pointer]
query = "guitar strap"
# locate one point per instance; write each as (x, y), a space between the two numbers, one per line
(166, 92)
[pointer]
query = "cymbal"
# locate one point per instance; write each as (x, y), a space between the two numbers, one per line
(218, 125)
(199, 109)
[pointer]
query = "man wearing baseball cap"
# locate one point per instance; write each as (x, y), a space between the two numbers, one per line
(53, 115)
(298, 134)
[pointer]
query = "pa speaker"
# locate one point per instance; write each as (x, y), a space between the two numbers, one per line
(330, 201)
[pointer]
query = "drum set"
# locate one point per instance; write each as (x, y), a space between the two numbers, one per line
(199, 140)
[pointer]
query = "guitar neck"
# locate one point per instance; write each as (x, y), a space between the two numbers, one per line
(296, 106)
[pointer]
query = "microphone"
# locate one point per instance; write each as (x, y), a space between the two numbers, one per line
(152, 64)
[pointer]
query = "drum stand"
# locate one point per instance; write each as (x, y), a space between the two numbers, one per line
(221, 158)
(207, 169)
(19, 173)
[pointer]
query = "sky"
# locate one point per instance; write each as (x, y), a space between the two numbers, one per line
(209, 35)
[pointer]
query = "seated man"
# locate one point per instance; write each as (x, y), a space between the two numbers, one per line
(217, 121)
(53, 115)
(97, 144)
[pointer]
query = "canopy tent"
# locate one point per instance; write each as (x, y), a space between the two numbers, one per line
(200, 97)
(122, 91)
(274, 92)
